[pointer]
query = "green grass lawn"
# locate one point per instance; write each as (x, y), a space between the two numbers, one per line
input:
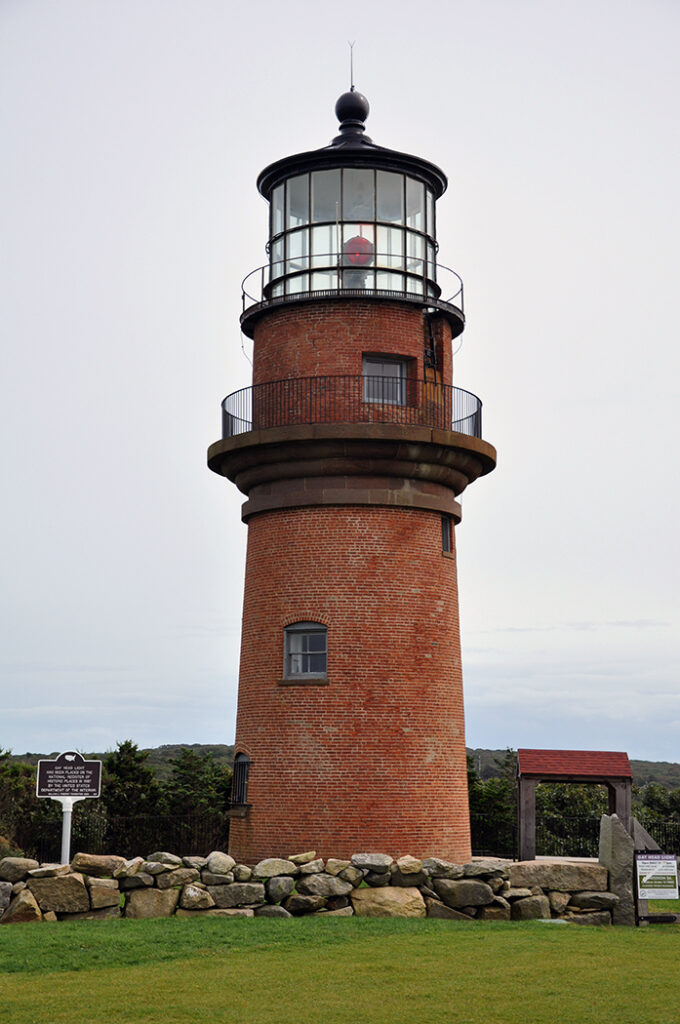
(341, 971)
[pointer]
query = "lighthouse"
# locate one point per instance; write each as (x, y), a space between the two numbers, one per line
(352, 448)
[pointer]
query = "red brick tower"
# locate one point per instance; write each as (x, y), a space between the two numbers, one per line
(351, 446)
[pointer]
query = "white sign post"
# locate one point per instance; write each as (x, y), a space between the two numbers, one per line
(67, 779)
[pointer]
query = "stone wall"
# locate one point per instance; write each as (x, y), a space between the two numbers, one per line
(367, 884)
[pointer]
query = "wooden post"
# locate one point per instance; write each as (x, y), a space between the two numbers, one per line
(527, 818)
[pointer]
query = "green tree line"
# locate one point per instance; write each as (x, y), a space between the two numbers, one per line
(196, 784)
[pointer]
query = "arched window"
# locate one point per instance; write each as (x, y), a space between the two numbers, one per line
(239, 780)
(305, 650)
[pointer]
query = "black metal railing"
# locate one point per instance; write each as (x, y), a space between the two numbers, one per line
(188, 834)
(351, 399)
(493, 837)
(333, 273)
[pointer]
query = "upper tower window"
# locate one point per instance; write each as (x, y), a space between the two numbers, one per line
(305, 650)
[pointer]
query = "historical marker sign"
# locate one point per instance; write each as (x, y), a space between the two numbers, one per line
(69, 775)
(657, 876)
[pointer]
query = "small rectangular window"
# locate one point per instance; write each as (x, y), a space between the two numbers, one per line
(305, 650)
(384, 380)
(446, 533)
(239, 780)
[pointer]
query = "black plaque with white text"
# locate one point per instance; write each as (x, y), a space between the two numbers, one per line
(69, 775)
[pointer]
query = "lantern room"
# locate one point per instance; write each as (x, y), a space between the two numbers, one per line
(352, 220)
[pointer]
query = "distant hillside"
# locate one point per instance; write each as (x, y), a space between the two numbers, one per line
(159, 757)
(665, 773)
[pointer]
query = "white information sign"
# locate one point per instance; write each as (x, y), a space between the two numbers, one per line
(657, 876)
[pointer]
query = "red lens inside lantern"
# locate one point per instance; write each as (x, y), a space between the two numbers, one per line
(358, 251)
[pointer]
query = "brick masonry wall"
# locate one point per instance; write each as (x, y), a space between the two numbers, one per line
(322, 338)
(375, 758)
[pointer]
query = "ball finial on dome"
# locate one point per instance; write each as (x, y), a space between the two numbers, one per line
(352, 106)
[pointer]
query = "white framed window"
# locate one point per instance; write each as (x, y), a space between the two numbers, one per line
(384, 380)
(305, 650)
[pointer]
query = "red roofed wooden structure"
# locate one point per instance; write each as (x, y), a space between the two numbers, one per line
(606, 767)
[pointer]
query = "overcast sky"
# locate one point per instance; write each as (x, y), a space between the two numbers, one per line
(132, 134)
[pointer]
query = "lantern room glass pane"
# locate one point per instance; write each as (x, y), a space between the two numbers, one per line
(298, 250)
(325, 195)
(431, 267)
(297, 201)
(390, 196)
(297, 283)
(429, 201)
(390, 251)
(323, 280)
(415, 252)
(415, 204)
(324, 245)
(277, 210)
(357, 194)
(387, 280)
(276, 255)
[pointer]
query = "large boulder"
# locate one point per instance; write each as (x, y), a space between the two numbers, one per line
(323, 885)
(566, 876)
(15, 869)
(475, 868)
(499, 910)
(219, 863)
(210, 878)
(303, 858)
(378, 862)
(141, 880)
(418, 878)
(601, 918)
(388, 902)
(437, 868)
(179, 876)
(100, 898)
(129, 868)
(617, 856)
(558, 901)
(312, 867)
(272, 866)
(298, 904)
(530, 908)
(99, 865)
(66, 894)
(465, 892)
(50, 871)
(335, 866)
(435, 908)
(104, 892)
(163, 857)
(279, 887)
(237, 894)
(409, 865)
(151, 903)
(594, 900)
(100, 914)
(22, 910)
(193, 898)
(5, 895)
(377, 878)
(352, 874)
(195, 862)
(272, 910)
